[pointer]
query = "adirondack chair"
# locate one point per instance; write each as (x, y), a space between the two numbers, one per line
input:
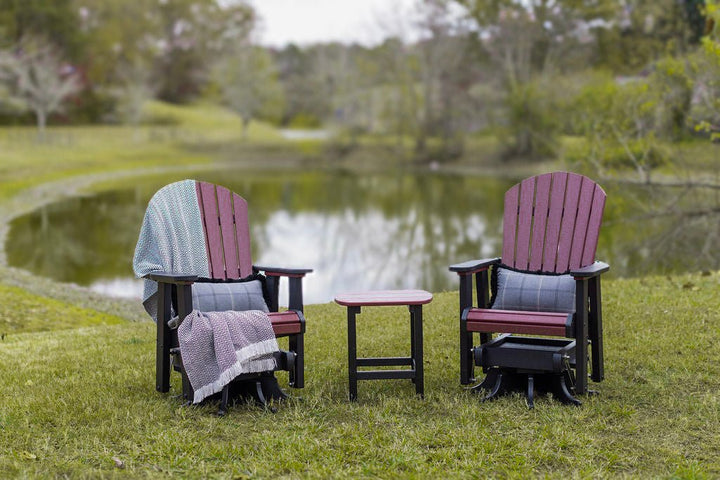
(550, 227)
(227, 239)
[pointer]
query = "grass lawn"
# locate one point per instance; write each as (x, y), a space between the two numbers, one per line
(77, 394)
(81, 403)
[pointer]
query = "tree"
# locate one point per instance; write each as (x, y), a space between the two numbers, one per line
(528, 43)
(37, 74)
(248, 83)
(709, 91)
(445, 79)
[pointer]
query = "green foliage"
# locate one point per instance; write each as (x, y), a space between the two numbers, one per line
(674, 87)
(81, 403)
(532, 125)
(304, 120)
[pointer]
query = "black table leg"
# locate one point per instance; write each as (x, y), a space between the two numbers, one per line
(417, 348)
(352, 352)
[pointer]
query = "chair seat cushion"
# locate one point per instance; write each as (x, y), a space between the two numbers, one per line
(528, 323)
(219, 297)
(534, 292)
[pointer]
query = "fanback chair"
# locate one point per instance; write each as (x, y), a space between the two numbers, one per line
(551, 226)
(225, 226)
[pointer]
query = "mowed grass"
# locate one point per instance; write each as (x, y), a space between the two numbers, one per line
(81, 403)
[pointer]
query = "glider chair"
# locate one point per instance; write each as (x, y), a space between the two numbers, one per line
(194, 253)
(546, 283)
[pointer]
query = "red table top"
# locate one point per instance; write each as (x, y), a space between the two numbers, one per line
(383, 298)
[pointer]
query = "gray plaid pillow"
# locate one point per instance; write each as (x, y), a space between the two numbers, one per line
(534, 292)
(220, 297)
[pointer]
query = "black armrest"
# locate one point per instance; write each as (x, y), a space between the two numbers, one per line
(474, 265)
(286, 272)
(592, 270)
(178, 279)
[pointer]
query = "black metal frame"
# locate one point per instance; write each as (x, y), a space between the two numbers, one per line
(586, 326)
(527, 363)
(415, 360)
(176, 291)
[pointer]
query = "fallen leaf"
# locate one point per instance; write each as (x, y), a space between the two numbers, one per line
(28, 455)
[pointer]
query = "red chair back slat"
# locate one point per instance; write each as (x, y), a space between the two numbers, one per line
(242, 233)
(525, 217)
(227, 233)
(596, 213)
(211, 223)
(567, 226)
(552, 222)
(540, 219)
(227, 228)
(510, 225)
(555, 211)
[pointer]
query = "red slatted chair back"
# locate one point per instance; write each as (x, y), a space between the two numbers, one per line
(552, 222)
(227, 232)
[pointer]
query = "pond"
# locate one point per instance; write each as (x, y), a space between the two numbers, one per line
(356, 230)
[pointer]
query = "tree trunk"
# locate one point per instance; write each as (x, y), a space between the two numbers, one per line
(41, 121)
(245, 125)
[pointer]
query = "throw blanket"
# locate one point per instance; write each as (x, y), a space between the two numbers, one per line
(172, 239)
(216, 347)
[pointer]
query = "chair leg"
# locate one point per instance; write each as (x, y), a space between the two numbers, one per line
(596, 331)
(466, 355)
(581, 336)
(188, 392)
(494, 393)
(162, 350)
(222, 410)
(561, 390)
(297, 373)
(530, 391)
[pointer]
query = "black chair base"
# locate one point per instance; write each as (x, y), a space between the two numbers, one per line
(261, 391)
(527, 364)
(501, 381)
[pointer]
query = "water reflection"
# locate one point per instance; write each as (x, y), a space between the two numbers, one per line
(368, 231)
(356, 231)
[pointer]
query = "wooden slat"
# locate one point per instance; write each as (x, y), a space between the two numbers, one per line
(593, 231)
(540, 219)
(552, 231)
(510, 225)
(208, 205)
(567, 229)
(525, 215)
(227, 228)
(242, 232)
(587, 191)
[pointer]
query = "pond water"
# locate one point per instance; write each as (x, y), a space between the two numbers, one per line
(357, 231)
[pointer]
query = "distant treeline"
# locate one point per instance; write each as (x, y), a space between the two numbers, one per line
(620, 71)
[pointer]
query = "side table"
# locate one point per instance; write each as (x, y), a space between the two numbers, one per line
(414, 299)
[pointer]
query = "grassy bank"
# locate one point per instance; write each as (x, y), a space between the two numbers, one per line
(81, 403)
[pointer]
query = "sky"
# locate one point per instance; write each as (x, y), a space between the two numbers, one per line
(311, 21)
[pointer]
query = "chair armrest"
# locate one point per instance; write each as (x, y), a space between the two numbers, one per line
(283, 272)
(590, 271)
(473, 266)
(177, 279)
